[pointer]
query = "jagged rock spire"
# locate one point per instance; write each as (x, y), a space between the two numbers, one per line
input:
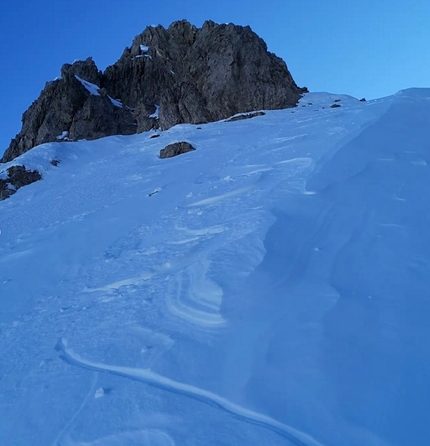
(182, 74)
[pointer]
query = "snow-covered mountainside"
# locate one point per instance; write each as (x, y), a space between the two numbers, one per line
(269, 288)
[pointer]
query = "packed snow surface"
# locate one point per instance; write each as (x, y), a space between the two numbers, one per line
(269, 288)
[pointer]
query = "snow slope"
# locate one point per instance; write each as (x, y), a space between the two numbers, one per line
(270, 288)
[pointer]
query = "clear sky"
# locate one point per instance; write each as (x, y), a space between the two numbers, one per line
(363, 48)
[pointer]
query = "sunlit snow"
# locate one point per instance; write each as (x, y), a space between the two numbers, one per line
(115, 102)
(92, 88)
(155, 114)
(268, 288)
(64, 135)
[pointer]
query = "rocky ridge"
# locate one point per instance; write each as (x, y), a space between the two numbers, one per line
(182, 74)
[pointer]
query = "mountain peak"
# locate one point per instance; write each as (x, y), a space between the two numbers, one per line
(189, 74)
(86, 69)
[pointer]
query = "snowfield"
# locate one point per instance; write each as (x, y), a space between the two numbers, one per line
(269, 288)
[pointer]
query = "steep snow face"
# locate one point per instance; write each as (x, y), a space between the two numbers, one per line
(269, 288)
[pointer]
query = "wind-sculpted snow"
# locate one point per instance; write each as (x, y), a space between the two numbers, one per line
(268, 288)
(153, 379)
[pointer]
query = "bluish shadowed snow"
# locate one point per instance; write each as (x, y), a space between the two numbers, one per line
(269, 288)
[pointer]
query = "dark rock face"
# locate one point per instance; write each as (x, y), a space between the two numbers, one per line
(182, 74)
(66, 105)
(5, 190)
(17, 177)
(203, 75)
(175, 149)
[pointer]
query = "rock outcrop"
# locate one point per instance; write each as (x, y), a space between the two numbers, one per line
(175, 149)
(71, 108)
(17, 177)
(182, 74)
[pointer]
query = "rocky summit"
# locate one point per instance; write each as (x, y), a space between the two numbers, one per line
(182, 74)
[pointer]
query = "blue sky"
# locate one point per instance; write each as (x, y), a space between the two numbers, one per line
(365, 48)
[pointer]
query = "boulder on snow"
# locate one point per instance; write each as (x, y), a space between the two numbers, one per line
(177, 148)
(182, 74)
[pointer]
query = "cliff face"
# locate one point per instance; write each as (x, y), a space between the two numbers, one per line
(68, 110)
(182, 74)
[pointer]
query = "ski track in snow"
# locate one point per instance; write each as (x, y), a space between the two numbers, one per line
(153, 379)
